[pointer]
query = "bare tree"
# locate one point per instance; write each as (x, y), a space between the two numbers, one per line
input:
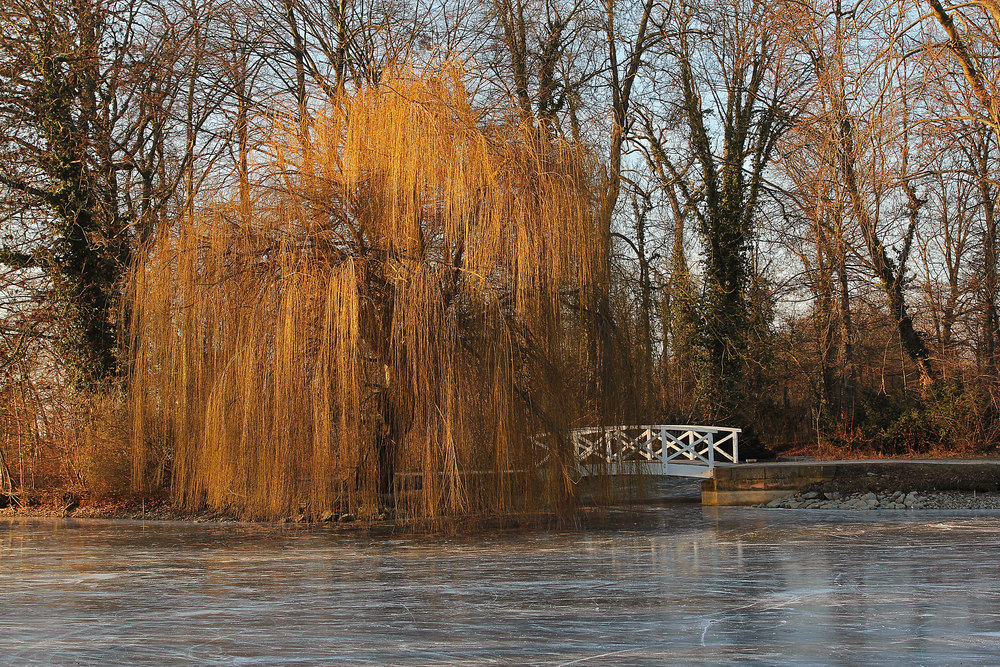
(730, 62)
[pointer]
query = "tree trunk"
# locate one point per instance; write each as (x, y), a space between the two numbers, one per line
(891, 282)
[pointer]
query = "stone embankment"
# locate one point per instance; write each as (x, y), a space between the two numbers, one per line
(835, 500)
(948, 483)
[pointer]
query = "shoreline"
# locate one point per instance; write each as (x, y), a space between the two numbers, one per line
(594, 517)
(112, 510)
(587, 517)
(883, 483)
(899, 500)
(861, 485)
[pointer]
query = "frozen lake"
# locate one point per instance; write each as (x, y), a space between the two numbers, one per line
(698, 586)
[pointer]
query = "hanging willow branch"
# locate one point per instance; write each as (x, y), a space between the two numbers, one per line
(387, 325)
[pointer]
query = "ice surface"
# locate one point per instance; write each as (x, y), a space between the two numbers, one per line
(701, 586)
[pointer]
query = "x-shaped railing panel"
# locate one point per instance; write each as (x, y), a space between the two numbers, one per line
(667, 444)
(674, 449)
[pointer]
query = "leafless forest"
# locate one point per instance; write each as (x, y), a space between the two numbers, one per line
(277, 254)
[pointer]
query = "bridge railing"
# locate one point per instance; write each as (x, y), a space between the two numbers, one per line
(659, 449)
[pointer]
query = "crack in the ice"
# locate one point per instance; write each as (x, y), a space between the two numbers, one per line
(596, 657)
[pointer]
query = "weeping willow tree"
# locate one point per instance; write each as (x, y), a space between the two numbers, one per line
(391, 322)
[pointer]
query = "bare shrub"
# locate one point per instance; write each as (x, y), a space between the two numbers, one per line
(102, 445)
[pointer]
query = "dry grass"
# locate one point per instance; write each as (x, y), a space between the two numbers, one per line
(385, 327)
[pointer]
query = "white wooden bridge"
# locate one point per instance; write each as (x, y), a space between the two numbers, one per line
(661, 449)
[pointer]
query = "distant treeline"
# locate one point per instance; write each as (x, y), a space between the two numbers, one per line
(269, 255)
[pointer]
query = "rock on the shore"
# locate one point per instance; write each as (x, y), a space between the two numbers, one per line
(887, 501)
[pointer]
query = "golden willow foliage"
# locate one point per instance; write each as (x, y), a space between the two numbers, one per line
(387, 326)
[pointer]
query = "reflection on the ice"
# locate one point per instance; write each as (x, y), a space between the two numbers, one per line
(700, 587)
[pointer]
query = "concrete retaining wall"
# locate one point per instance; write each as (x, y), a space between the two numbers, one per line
(754, 483)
